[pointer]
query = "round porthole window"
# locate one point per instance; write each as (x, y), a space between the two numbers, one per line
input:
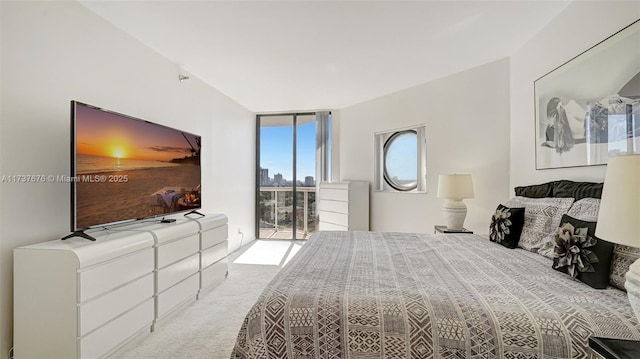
(401, 159)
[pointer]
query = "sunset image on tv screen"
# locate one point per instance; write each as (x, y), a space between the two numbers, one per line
(127, 168)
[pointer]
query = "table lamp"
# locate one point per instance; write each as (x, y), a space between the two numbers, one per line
(619, 215)
(454, 188)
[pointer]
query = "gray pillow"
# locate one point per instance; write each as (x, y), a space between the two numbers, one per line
(623, 257)
(541, 219)
(585, 209)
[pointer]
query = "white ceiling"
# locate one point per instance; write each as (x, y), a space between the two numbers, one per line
(306, 55)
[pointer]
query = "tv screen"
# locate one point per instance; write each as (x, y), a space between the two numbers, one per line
(124, 168)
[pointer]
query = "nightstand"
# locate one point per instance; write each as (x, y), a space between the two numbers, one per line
(443, 229)
(608, 348)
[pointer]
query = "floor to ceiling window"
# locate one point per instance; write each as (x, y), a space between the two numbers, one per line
(293, 155)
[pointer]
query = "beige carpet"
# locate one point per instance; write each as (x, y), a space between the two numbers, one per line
(208, 328)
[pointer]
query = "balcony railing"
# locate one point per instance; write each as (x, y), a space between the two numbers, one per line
(276, 212)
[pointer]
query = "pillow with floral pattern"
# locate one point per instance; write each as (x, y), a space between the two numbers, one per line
(579, 253)
(506, 226)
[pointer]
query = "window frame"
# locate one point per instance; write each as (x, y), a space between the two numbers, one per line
(382, 141)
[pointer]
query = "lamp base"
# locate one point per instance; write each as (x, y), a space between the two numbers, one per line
(632, 285)
(454, 211)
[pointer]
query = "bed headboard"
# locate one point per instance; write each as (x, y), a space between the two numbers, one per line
(561, 189)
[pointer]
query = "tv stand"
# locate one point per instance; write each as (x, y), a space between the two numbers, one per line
(194, 212)
(103, 295)
(79, 234)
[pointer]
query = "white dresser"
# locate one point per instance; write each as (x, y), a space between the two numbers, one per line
(82, 299)
(343, 206)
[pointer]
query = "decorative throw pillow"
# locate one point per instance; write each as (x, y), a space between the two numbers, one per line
(585, 209)
(541, 218)
(623, 257)
(506, 226)
(579, 253)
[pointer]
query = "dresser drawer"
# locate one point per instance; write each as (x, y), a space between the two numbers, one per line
(214, 274)
(176, 272)
(334, 194)
(333, 206)
(211, 221)
(106, 307)
(335, 218)
(213, 254)
(174, 251)
(103, 277)
(214, 236)
(324, 226)
(334, 185)
(169, 299)
(115, 333)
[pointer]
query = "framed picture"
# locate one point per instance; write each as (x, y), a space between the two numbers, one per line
(589, 107)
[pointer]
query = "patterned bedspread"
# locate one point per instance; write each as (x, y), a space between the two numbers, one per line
(399, 295)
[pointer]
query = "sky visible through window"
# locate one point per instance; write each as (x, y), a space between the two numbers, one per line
(276, 150)
(401, 158)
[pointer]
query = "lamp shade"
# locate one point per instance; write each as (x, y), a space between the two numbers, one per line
(619, 214)
(455, 186)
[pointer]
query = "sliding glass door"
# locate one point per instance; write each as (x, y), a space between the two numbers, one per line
(288, 148)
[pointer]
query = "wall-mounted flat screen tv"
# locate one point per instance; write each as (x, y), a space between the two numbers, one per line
(124, 168)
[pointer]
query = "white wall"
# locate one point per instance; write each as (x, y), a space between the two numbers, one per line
(467, 123)
(580, 26)
(53, 52)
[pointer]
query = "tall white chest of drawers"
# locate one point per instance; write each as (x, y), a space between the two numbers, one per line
(83, 299)
(343, 206)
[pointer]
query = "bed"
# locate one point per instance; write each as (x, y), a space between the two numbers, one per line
(409, 295)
